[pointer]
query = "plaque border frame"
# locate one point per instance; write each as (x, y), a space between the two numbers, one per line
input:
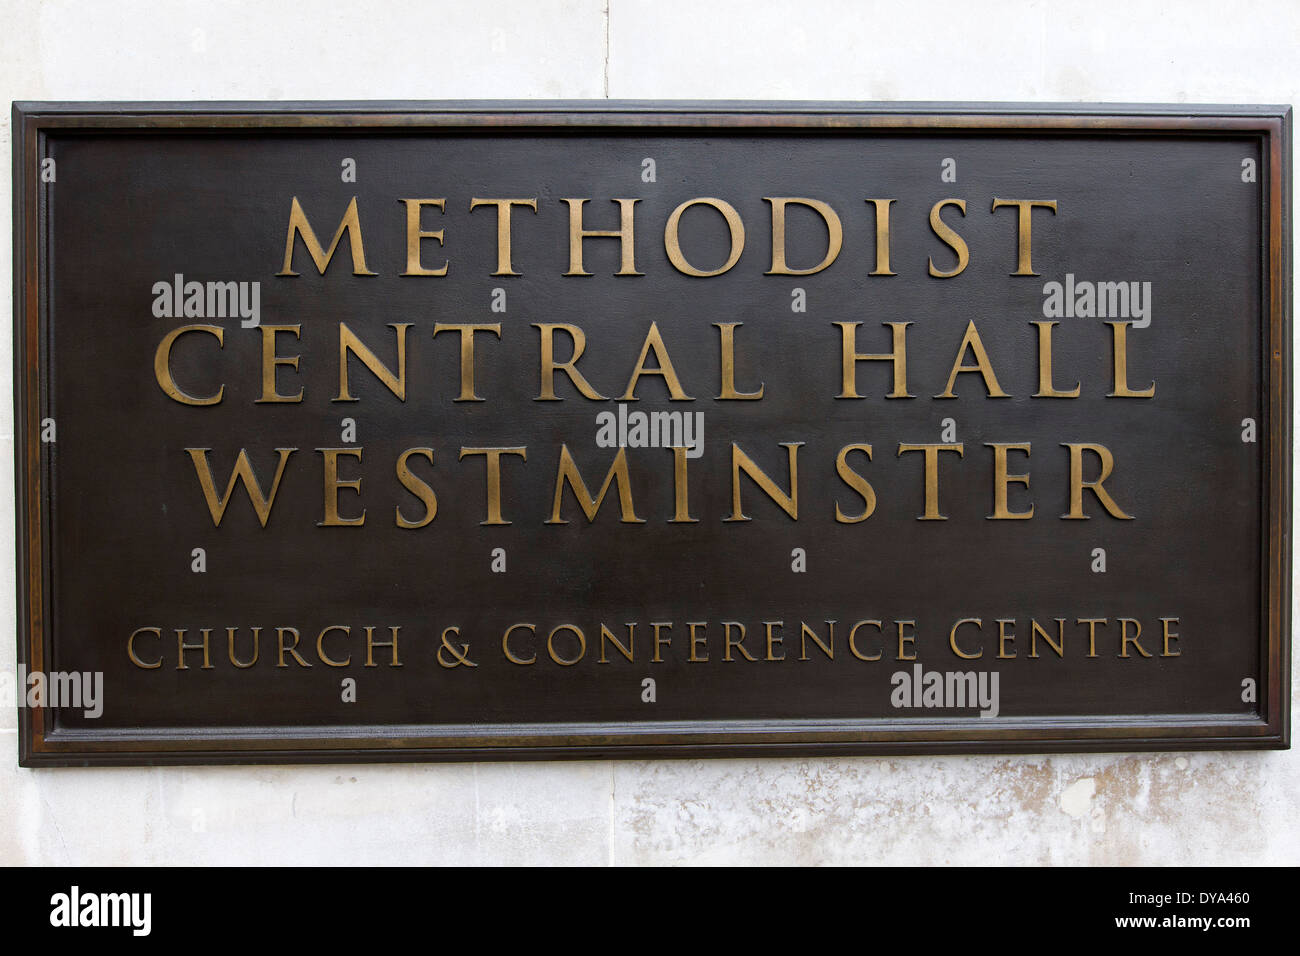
(41, 746)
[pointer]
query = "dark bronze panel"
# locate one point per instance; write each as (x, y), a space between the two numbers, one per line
(1061, 524)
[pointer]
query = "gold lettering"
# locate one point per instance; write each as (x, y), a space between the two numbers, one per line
(162, 365)
(623, 233)
(504, 207)
(492, 458)
(1077, 484)
(418, 487)
(850, 357)
(371, 644)
(654, 341)
(857, 483)
(1092, 623)
(182, 647)
(569, 367)
(946, 233)
(1005, 638)
(1119, 333)
(674, 249)
(291, 649)
(320, 646)
(853, 640)
(332, 486)
(568, 473)
(660, 642)
(773, 641)
(1045, 387)
(681, 491)
(230, 647)
(834, 234)
(1057, 645)
(905, 639)
(467, 331)
(555, 656)
(299, 226)
(828, 646)
(1125, 640)
(414, 234)
(972, 341)
(882, 237)
(130, 647)
(1024, 231)
(1001, 480)
(271, 363)
(1168, 636)
(742, 462)
(952, 638)
(738, 643)
(349, 343)
(243, 471)
(727, 331)
(505, 644)
(697, 642)
(607, 635)
(932, 474)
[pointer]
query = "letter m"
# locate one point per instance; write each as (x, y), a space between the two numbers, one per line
(962, 687)
(299, 226)
(116, 909)
(1112, 300)
(617, 474)
(65, 688)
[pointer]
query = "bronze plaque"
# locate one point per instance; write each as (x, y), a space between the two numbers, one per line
(463, 431)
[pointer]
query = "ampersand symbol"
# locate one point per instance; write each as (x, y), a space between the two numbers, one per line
(458, 657)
